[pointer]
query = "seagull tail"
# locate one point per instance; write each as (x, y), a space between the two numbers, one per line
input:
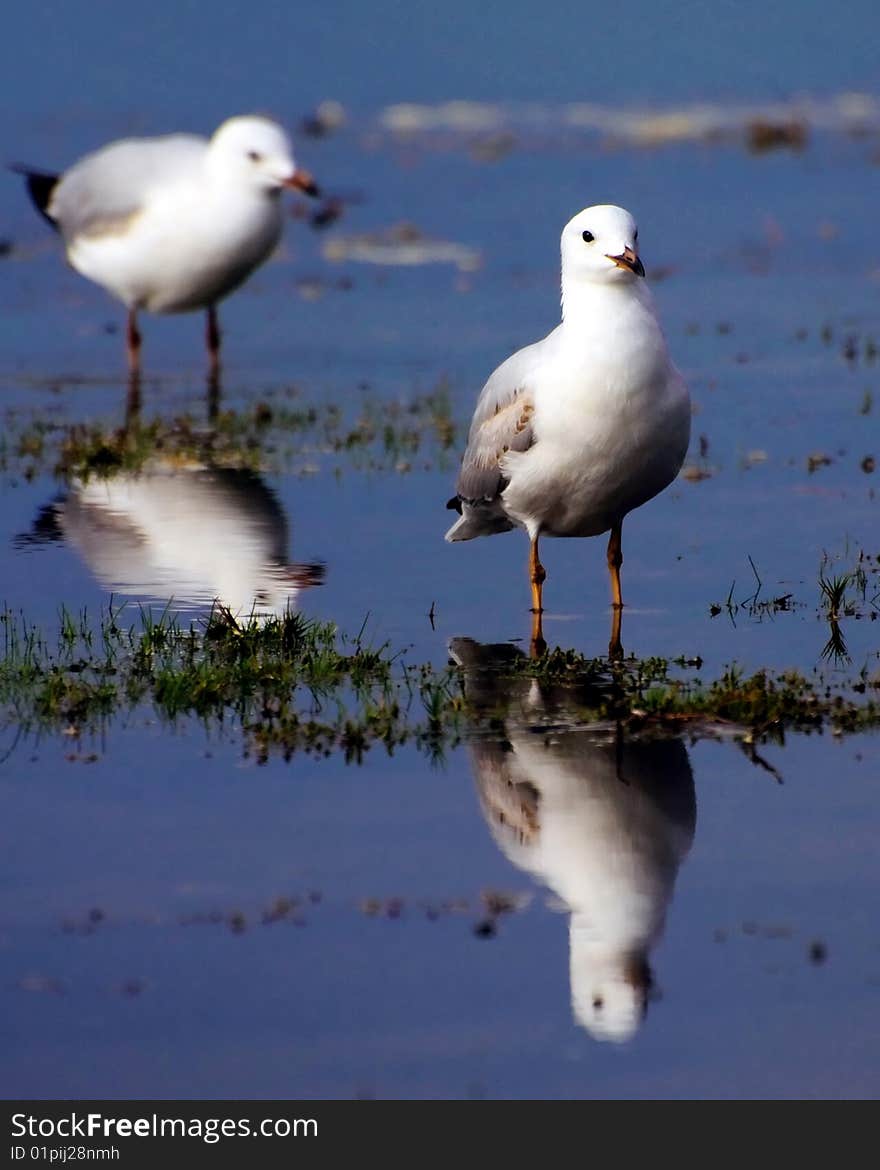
(477, 520)
(40, 185)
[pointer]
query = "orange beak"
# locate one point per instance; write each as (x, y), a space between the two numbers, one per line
(301, 180)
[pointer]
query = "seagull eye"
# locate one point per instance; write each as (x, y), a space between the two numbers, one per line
(255, 156)
(588, 237)
(636, 236)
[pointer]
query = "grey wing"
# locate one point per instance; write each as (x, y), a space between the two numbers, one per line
(104, 190)
(502, 422)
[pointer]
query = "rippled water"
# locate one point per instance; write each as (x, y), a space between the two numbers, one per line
(547, 910)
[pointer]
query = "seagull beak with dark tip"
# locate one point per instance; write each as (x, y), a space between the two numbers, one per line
(301, 180)
(629, 259)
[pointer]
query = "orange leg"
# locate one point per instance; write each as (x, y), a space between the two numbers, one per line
(615, 649)
(615, 560)
(538, 646)
(537, 577)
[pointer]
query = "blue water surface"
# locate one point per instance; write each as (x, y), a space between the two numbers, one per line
(137, 865)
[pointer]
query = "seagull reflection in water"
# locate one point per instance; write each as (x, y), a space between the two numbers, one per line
(192, 534)
(602, 819)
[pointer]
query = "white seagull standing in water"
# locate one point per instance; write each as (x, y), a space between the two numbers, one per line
(174, 224)
(571, 433)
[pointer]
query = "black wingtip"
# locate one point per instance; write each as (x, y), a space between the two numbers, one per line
(454, 505)
(40, 185)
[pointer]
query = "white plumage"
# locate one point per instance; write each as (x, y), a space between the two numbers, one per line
(192, 533)
(176, 223)
(604, 821)
(572, 433)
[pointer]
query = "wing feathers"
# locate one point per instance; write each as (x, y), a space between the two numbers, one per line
(507, 428)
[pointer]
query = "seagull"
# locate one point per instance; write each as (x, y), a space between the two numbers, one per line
(173, 224)
(602, 819)
(575, 431)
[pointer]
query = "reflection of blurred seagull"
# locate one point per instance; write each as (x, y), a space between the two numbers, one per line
(175, 223)
(196, 534)
(605, 823)
(571, 433)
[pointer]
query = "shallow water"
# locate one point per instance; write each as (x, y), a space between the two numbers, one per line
(381, 982)
(422, 950)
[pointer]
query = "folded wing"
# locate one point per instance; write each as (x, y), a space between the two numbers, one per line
(101, 193)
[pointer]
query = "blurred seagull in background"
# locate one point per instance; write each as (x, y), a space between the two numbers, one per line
(173, 224)
(571, 433)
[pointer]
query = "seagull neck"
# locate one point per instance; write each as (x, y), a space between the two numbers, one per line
(583, 301)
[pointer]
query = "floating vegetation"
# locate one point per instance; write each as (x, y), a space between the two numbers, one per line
(754, 606)
(283, 684)
(852, 593)
(287, 685)
(856, 350)
(760, 126)
(818, 459)
(763, 135)
(297, 908)
(700, 468)
(402, 244)
(834, 590)
(278, 432)
(656, 696)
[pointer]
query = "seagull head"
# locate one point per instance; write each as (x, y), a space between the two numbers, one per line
(255, 151)
(600, 245)
(610, 989)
